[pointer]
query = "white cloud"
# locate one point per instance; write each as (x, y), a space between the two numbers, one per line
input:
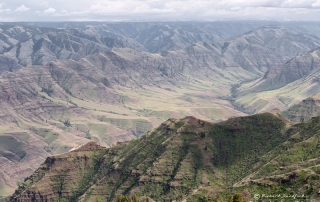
(7, 10)
(235, 8)
(21, 8)
(126, 7)
(297, 4)
(162, 9)
(49, 11)
(197, 9)
(316, 4)
(250, 3)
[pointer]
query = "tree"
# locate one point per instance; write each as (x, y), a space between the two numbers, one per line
(48, 89)
(236, 198)
(67, 123)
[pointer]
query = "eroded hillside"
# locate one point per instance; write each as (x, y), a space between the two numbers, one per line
(283, 86)
(179, 158)
(109, 95)
(305, 110)
(187, 159)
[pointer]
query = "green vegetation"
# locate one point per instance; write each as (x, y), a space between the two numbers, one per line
(106, 82)
(48, 88)
(48, 135)
(91, 174)
(303, 111)
(240, 142)
(98, 129)
(122, 198)
(67, 123)
(137, 126)
(236, 198)
(11, 148)
(292, 165)
(194, 160)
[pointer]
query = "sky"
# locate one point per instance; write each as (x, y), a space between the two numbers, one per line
(159, 10)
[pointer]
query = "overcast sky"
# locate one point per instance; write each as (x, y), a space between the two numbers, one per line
(166, 10)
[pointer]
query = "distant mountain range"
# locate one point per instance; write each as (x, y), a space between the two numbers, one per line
(112, 82)
(29, 45)
(284, 85)
(40, 43)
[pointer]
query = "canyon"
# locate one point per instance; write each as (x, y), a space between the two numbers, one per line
(66, 84)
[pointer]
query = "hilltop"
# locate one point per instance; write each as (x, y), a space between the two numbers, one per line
(187, 159)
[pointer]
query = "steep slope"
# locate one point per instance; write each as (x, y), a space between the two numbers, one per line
(296, 80)
(107, 97)
(291, 171)
(8, 64)
(311, 28)
(267, 48)
(30, 45)
(256, 51)
(119, 94)
(181, 158)
(305, 110)
(68, 167)
(165, 36)
(181, 34)
(293, 70)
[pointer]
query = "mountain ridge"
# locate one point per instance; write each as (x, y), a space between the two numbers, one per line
(193, 129)
(283, 86)
(205, 169)
(119, 94)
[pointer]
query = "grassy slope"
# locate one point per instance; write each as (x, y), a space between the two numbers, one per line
(283, 96)
(291, 168)
(191, 159)
(140, 107)
(84, 104)
(305, 110)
